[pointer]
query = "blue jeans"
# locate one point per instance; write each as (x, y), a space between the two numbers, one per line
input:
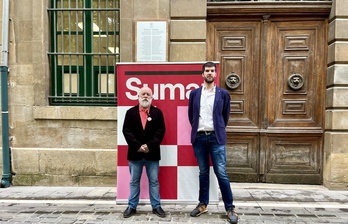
(204, 146)
(136, 169)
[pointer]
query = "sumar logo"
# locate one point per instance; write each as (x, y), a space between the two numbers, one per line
(160, 91)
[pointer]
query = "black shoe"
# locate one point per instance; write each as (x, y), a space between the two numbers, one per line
(232, 216)
(159, 212)
(129, 212)
(199, 210)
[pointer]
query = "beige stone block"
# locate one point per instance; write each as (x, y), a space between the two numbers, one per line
(40, 94)
(75, 113)
(337, 97)
(106, 162)
(127, 51)
(20, 10)
(24, 135)
(73, 162)
(336, 120)
(62, 180)
(127, 30)
(49, 180)
(21, 94)
(24, 52)
(37, 14)
(187, 52)
(25, 161)
(127, 40)
(26, 30)
(150, 9)
(164, 9)
(339, 8)
(22, 74)
(97, 181)
(338, 52)
(338, 29)
(188, 30)
(335, 173)
(39, 54)
(337, 75)
(89, 137)
(20, 115)
(126, 9)
(336, 143)
(188, 9)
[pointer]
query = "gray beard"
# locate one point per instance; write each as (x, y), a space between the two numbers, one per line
(145, 103)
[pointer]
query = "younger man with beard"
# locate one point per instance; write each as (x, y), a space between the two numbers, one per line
(208, 113)
(144, 130)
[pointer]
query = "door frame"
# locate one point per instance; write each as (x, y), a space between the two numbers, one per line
(261, 12)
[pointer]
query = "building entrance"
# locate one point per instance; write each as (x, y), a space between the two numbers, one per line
(275, 70)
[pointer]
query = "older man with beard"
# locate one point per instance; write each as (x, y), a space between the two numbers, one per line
(144, 130)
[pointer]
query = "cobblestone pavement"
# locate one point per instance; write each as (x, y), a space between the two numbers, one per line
(255, 203)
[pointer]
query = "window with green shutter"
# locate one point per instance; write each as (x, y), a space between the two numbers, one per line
(85, 43)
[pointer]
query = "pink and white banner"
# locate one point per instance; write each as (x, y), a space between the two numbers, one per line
(171, 84)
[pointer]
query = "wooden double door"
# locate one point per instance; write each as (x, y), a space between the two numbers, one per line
(275, 72)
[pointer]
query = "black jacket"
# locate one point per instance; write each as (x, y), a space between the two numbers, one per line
(136, 136)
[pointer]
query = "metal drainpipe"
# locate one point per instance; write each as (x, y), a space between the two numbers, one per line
(6, 157)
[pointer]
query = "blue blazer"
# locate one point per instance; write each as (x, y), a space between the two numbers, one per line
(221, 112)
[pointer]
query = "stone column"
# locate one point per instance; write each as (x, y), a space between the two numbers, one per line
(336, 118)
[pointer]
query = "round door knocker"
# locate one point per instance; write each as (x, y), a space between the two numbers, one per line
(295, 81)
(232, 81)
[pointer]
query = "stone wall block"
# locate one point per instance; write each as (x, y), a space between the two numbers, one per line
(335, 173)
(106, 161)
(127, 40)
(338, 52)
(61, 167)
(25, 161)
(336, 142)
(189, 9)
(23, 13)
(187, 52)
(26, 96)
(67, 162)
(188, 30)
(339, 8)
(127, 9)
(24, 52)
(75, 113)
(164, 9)
(146, 10)
(337, 29)
(336, 119)
(337, 97)
(337, 75)
(97, 181)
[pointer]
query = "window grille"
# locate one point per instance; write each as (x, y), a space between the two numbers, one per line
(85, 43)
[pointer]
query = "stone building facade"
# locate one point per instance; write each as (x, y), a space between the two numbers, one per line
(77, 145)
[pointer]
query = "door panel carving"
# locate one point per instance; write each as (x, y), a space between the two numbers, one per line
(275, 131)
(242, 157)
(296, 52)
(295, 101)
(236, 46)
(294, 159)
